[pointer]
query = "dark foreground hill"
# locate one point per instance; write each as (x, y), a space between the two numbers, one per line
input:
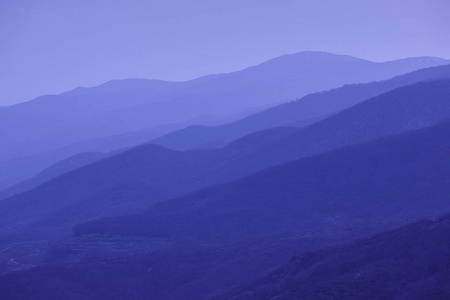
(412, 262)
(130, 181)
(102, 267)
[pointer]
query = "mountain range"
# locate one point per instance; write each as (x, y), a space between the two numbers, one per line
(300, 113)
(132, 180)
(292, 113)
(296, 206)
(118, 107)
(386, 180)
(340, 194)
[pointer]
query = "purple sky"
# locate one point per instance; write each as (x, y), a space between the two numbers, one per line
(50, 46)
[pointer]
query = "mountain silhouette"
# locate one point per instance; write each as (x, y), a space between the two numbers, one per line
(55, 170)
(54, 121)
(351, 190)
(289, 114)
(391, 179)
(300, 113)
(132, 180)
(22, 168)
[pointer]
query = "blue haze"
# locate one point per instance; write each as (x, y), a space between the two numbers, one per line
(224, 149)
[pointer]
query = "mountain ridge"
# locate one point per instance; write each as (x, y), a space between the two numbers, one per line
(317, 106)
(282, 198)
(242, 85)
(144, 175)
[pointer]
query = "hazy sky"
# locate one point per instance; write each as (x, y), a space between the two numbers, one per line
(50, 46)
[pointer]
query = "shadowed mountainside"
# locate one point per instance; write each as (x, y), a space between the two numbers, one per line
(334, 196)
(293, 113)
(21, 168)
(134, 179)
(55, 170)
(412, 262)
(394, 178)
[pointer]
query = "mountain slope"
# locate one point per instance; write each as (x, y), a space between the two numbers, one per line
(55, 170)
(360, 188)
(22, 168)
(392, 179)
(154, 267)
(290, 113)
(49, 122)
(139, 177)
(407, 263)
(356, 184)
(124, 113)
(403, 109)
(302, 112)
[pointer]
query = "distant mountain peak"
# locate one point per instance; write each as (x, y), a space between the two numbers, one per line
(118, 85)
(323, 54)
(416, 63)
(311, 58)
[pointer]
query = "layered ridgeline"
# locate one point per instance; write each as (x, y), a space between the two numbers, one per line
(132, 180)
(23, 167)
(317, 200)
(124, 105)
(387, 180)
(290, 114)
(117, 107)
(61, 167)
(305, 111)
